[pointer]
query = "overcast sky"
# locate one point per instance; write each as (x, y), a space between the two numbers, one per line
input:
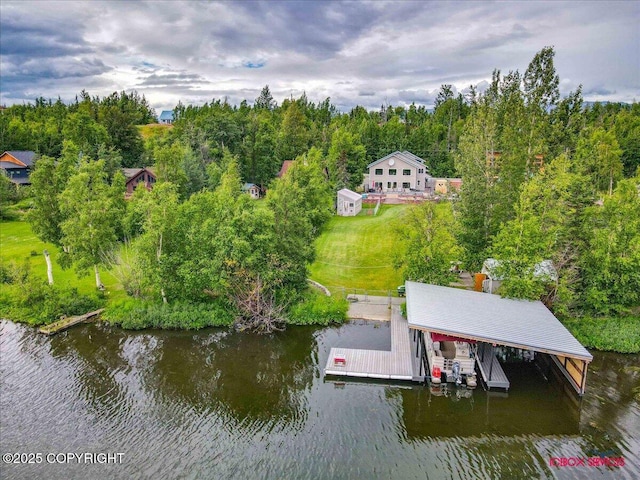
(358, 53)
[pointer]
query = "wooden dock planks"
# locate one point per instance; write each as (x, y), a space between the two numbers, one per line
(61, 325)
(394, 365)
(498, 377)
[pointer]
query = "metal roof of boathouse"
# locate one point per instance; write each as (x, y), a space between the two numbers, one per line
(490, 318)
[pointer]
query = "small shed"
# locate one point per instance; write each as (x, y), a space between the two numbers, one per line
(349, 203)
(445, 186)
(166, 117)
(252, 189)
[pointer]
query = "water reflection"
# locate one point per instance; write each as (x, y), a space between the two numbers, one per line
(250, 378)
(215, 404)
(254, 379)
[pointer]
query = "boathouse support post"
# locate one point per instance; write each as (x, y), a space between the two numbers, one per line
(491, 362)
(420, 358)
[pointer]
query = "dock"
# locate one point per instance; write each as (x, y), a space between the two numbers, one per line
(490, 369)
(396, 364)
(65, 323)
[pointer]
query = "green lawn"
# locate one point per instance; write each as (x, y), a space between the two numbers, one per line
(17, 242)
(357, 252)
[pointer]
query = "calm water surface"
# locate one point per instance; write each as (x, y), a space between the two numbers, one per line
(217, 404)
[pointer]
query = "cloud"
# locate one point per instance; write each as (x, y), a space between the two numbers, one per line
(172, 79)
(599, 91)
(38, 39)
(364, 52)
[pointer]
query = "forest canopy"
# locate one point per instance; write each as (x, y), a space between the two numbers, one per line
(545, 177)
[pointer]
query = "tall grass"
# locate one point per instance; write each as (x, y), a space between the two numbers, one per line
(614, 334)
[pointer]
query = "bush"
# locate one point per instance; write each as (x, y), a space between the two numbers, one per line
(133, 314)
(13, 272)
(615, 334)
(28, 299)
(318, 309)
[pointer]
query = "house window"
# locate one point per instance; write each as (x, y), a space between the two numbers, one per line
(388, 184)
(378, 171)
(421, 170)
(418, 182)
(406, 185)
(392, 171)
(406, 171)
(351, 204)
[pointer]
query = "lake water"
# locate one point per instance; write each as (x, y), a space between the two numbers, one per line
(218, 404)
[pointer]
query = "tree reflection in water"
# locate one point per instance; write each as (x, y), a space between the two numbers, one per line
(252, 379)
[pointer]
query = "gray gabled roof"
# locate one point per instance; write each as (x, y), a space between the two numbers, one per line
(345, 192)
(406, 157)
(490, 318)
(130, 173)
(411, 155)
(25, 156)
(166, 115)
(11, 165)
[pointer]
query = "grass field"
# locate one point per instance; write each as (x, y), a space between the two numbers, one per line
(153, 129)
(358, 252)
(17, 242)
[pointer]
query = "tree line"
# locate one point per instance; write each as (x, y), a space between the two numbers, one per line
(89, 122)
(533, 166)
(214, 246)
(544, 178)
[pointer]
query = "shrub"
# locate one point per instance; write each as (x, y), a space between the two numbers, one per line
(133, 314)
(28, 299)
(13, 272)
(318, 309)
(616, 334)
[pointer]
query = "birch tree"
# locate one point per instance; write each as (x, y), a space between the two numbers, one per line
(155, 247)
(92, 211)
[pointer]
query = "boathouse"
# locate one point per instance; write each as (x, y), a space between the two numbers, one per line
(490, 320)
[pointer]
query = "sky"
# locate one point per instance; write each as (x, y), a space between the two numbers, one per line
(365, 53)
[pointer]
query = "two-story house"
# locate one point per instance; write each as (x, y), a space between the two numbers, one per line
(398, 172)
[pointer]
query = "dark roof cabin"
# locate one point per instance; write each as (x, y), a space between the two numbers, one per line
(17, 165)
(135, 176)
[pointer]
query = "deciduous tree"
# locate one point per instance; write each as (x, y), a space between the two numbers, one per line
(431, 246)
(92, 211)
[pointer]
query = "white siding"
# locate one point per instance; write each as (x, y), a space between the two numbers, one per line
(349, 203)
